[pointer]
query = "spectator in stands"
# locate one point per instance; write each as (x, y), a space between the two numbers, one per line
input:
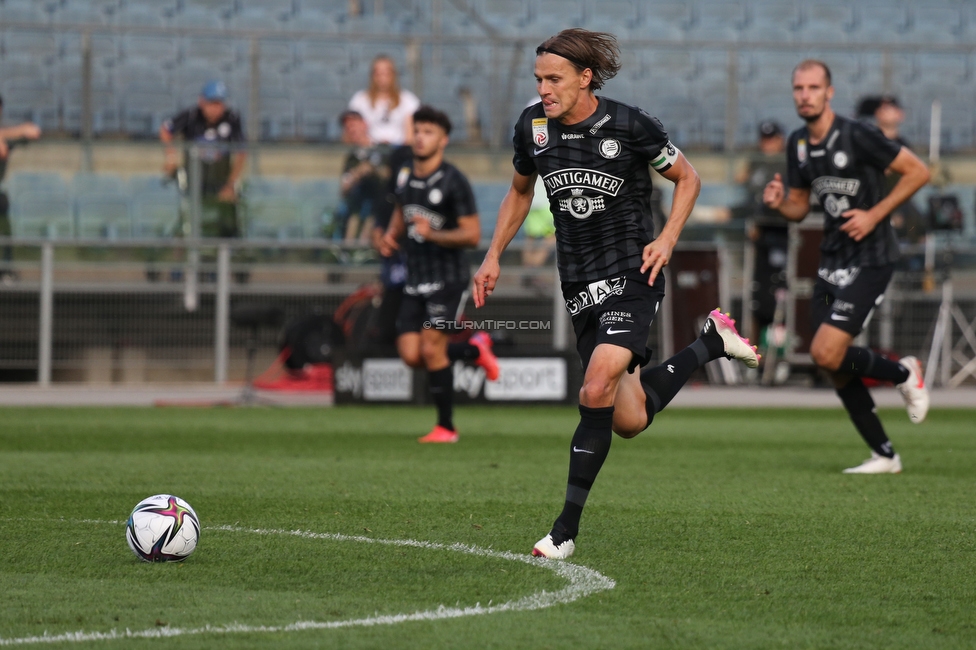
(214, 128)
(387, 108)
(10, 137)
(907, 220)
(364, 174)
(765, 228)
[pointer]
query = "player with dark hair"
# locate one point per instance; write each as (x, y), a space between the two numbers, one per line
(436, 211)
(593, 155)
(843, 162)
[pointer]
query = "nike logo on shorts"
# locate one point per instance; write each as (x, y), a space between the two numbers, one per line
(613, 331)
(839, 317)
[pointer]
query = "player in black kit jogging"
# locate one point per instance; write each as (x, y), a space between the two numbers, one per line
(844, 162)
(436, 211)
(593, 154)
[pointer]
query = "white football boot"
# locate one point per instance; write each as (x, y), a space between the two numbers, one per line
(877, 464)
(545, 548)
(736, 347)
(913, 390)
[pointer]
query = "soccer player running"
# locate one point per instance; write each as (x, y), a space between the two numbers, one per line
(436, 211)
(843, 162)
(593, 155)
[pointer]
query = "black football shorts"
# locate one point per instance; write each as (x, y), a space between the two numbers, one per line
(435, 306)
(846, 298)
(617, 310)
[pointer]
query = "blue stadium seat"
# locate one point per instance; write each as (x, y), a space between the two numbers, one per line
(663, 20)
(271, 209)
(42, 182)
(317, 200)
(880, 22)
(826, 22)
(155, 207)
(718, 21)
(617, 17)
(92, 183)
(946, 22)
(103, 216)
(772, 21)
(21, 11)
(41, 213)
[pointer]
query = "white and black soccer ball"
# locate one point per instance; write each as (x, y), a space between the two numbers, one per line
(163, 528)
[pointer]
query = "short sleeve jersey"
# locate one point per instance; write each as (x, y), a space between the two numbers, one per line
(386, 124)
(441, 199)
(213, 138)
(846, 171)
(598, 183)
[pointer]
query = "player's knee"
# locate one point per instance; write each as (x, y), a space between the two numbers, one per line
(596, 393)
(432, 353)
(825, 356)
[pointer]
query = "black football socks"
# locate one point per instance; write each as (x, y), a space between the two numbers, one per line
(589, 449)
(864, 362)
(860, 406)
(661, 383)
(462, 352)
(442, 390)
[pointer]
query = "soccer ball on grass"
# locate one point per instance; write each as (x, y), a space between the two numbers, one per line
(162, 528)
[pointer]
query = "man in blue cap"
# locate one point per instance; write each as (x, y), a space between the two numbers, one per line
(215, 129)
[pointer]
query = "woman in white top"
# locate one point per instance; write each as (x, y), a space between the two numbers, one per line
(387, 109)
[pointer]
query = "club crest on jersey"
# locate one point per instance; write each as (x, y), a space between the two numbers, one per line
(540, 131)
(801, 150)
(435, 196)
(840, 160)
(581, 206)
(609, 148)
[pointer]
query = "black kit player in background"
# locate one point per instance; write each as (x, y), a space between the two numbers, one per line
(593, 155)
(10, 137)
(436, 211)
(844, 161)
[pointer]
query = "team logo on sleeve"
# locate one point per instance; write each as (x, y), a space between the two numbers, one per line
(540, 131)
(609, 148)
(801, 150)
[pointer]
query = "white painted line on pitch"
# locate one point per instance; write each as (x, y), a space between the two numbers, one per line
(582, 582)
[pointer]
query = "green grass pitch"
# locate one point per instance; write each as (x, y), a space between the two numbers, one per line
(720, 528)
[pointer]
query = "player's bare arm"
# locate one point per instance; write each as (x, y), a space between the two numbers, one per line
(466, 235)
(687, 185)
(793, 205)
(914, 174)
(511, 214)
(229, 191)
(390, 241)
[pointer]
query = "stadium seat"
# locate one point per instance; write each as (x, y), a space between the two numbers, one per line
(91, 183)
(271, 209)
(42, 213)
(664, 20)
(50, 182)
(317, 201)
(155, 207)
(826, 22)
(103, 216)
(771, 21)
(718, 21)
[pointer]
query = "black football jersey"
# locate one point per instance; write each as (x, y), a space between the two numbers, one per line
(440, 198)
(598, 183)
(846, 171)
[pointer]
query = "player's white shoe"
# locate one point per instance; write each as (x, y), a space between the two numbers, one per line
(545, 548)
(736, 347)
(913, 390)
(877, 464)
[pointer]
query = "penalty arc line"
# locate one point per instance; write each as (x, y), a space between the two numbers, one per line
(583, 581)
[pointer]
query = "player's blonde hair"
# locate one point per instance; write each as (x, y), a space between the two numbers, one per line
(597, 51)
